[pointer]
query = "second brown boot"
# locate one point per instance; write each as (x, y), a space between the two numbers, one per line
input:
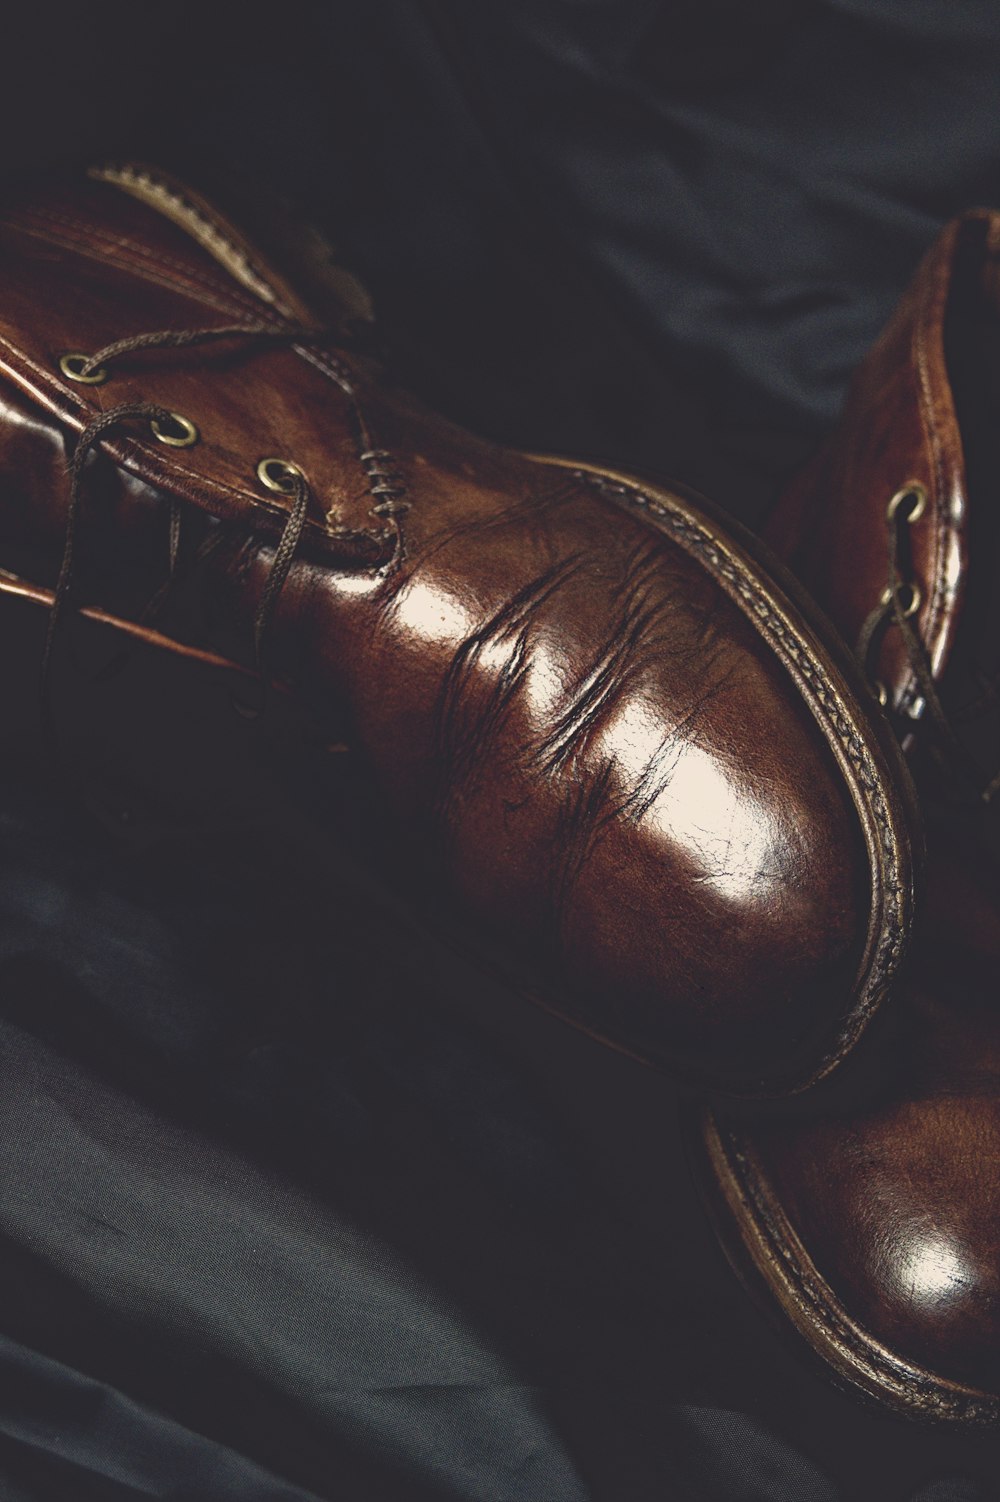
(872, 1229)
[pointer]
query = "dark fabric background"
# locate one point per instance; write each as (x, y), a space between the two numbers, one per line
(293, 1203)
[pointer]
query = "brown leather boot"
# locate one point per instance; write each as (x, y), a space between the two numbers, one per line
(877, 1229)
(895, 526)
(600, 733)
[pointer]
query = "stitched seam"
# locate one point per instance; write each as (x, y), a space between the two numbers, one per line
(199, 479)
(329, 365)
(120, 176)
(384, 483)
(84, 230)
(382, 478)
(260, 503)
(809, 1286)
(202, 228)
(222, 294)
(890, 943)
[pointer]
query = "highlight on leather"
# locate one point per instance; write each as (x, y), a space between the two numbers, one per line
(608, 742)
(870, 1232)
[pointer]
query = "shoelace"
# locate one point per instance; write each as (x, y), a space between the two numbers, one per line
(897, 608)
(165, 424)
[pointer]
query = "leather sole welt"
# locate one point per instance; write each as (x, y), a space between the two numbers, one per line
(775, 1267)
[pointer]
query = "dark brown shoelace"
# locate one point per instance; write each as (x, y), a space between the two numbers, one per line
(896, 609)
(120, 418)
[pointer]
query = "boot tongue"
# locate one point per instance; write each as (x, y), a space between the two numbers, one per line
(87, 263)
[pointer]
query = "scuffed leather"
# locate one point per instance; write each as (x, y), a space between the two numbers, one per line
(607, 741)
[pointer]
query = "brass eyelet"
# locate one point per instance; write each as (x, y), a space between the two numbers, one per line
(72, 365)
(912, 492)
(278, 475)
(909, 596)
(182, 440)
(881, 692)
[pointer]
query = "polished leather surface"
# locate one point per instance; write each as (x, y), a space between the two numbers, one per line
(874, 1226)
(603, 737)
(878, 1230)
(921, 408)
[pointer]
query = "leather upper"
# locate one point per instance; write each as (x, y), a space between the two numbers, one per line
(916, 413)
(605, 739)
(877, 1230)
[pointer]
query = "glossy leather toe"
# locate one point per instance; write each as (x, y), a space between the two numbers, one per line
(877, 1229)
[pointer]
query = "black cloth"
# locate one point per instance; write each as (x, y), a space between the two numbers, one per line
(294, 1204)
(660, 234)
(286, 1205)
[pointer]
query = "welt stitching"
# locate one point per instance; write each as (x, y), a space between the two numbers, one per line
(806, 1286)
(810, 1288)
(890, 943)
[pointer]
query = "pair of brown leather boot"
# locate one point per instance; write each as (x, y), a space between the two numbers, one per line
(588, 723)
